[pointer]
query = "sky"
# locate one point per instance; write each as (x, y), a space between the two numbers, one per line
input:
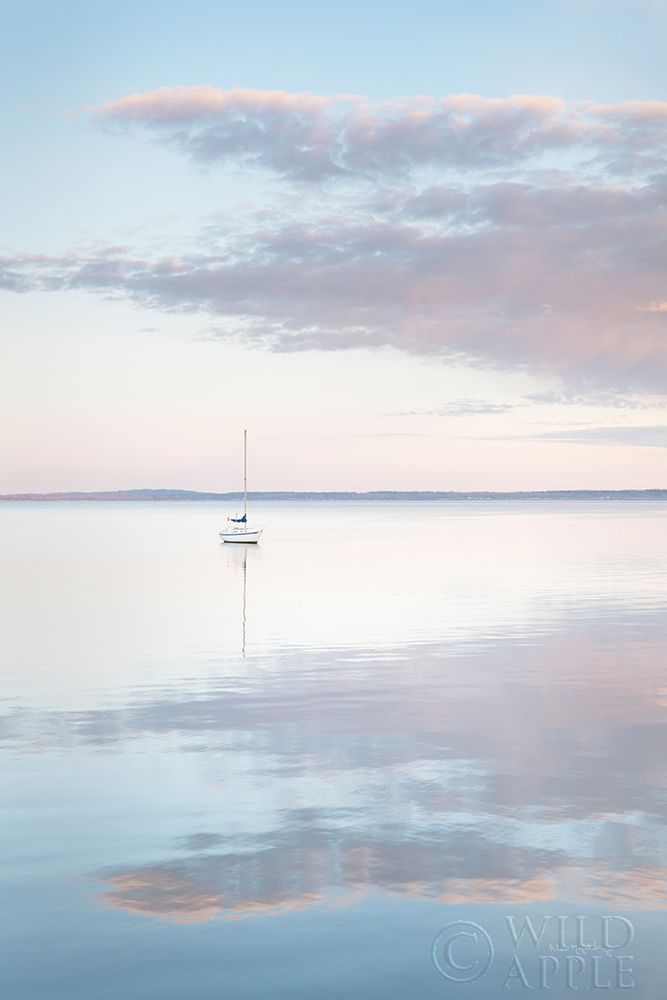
(407, 245)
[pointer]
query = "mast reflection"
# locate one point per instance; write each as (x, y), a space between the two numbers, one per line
(238, 557)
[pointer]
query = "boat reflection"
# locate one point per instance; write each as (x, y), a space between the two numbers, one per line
(237, 559)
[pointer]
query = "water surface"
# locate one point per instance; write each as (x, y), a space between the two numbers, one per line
(281, 771)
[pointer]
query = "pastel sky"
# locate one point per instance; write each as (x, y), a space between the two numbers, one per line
(407, 245)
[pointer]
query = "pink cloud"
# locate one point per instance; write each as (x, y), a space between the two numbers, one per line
(532, 261)
(639, 111)
(308, 136)
(561, 279)
(176, 104)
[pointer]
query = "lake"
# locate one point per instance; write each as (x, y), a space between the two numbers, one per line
(398, 750)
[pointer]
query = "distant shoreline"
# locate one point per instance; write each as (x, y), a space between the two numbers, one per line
(374, 495)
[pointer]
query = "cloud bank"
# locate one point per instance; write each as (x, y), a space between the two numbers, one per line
(512, 233)
(307, 136)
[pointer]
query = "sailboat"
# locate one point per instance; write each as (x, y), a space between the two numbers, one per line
(238, 529)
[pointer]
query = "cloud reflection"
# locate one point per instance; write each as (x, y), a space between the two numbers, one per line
(522, 771)
(518, 773)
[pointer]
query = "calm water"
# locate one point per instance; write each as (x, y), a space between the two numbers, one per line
(280, 772)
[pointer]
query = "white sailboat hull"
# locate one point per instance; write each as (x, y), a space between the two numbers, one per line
(243, 534)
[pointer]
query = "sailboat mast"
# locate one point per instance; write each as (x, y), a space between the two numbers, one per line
(245, 473)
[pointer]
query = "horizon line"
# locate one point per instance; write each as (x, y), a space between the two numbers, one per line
(166, 494)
